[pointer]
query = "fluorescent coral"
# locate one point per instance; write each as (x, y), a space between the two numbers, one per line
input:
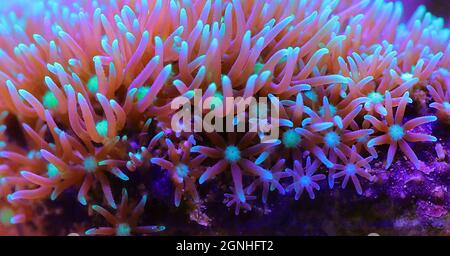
(125, 221)
(396, 133)
(304, 178)
(87, 89)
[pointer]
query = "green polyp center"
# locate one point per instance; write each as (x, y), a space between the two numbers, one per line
(90, 164)
(5, 215)
(232, 154)
(182, 170)
(123, 229)
(141, 92)
(350, 169)
(332, 139)
(332, 110)
(258, 67)
(396, 132)
(92, 84)
(102, 128)
(375, 97)
(305, 180)
(406, 76)
(50, 101)
(312, 95)
(52, 170)
(291, 139)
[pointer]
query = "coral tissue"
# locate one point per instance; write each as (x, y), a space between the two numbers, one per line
(86, 89)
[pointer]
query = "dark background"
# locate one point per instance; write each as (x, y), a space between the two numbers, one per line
(439, 8)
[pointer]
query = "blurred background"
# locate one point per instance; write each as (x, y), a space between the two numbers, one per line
(436, 7)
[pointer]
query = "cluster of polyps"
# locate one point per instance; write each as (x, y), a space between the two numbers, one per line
(90, 85)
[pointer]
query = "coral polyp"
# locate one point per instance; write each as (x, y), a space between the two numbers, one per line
(397, 133)
(125, 221)
(304, 178)
(98, 96)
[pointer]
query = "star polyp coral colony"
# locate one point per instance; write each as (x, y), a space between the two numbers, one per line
(91, 91)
